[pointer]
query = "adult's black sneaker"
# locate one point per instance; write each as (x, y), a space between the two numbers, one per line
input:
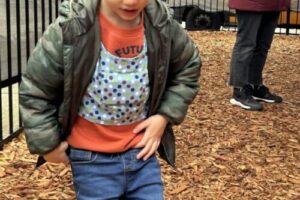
(243, 97)
(262, 93)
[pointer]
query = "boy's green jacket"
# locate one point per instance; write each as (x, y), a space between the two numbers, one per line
(64, 60)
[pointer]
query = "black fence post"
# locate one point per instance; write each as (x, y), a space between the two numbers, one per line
(19, 46)
(288, 21)
(27, 29)
(36, 22)
(43, 15)
(9, 66)
(50, 11)
(56, 8)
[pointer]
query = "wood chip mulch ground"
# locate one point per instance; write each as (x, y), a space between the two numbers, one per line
(223, 152)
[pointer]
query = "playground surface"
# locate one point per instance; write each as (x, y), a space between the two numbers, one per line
(223, 152)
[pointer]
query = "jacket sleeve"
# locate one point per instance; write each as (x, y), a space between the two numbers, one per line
(40, 92)
(184, 72)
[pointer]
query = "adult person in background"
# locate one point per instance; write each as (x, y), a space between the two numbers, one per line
(256, 23)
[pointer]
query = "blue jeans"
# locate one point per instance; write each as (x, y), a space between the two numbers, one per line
(115, 176)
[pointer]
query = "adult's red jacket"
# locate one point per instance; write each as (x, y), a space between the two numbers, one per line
(259, 5)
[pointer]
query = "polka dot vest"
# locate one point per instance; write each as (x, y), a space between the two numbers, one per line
(118, 91)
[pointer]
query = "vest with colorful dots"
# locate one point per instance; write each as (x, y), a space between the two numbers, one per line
(119, 90)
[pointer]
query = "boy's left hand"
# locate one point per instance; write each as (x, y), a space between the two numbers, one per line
(154, 128)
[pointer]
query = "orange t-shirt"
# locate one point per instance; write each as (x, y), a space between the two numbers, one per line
(107, 138)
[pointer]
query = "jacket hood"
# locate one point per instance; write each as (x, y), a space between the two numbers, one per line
(80, 15)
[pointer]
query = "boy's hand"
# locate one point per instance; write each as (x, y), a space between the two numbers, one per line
(154, 128)
(58, 155)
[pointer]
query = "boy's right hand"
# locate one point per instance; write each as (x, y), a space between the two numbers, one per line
(58, 155)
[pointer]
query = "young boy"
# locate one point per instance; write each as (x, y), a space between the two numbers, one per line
(106, 81)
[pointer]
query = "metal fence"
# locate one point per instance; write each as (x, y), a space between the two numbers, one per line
(22, 22)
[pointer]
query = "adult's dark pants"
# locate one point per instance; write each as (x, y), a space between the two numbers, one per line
(253, 41)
